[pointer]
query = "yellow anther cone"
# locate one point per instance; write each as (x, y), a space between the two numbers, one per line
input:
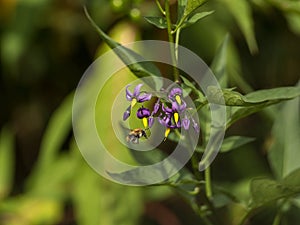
(176, 117)
(178, 99)
(167, 133)
(133, 102)
(145, 122)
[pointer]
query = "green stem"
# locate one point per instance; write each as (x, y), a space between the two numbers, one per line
(277, 219)
(208, 188)
(159, 7)
(171, 40)
(177, 43)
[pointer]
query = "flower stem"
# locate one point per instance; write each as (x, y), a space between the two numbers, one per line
(208, 188)
(171, 40)
(159, 7)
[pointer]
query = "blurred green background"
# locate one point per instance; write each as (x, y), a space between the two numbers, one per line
(46, 45)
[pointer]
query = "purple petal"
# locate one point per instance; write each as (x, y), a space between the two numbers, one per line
(175, 91)
(177, 107)
(150, 121)
(196, 126)
(143, 112)
(126, 113)
(128, 94)
(185, 123)
(137, 89)
(144, 97)
(166, 109)
(156, 107)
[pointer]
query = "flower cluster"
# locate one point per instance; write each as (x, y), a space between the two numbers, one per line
(172, 107)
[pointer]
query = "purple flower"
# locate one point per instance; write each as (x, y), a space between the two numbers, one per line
(185, 123)
(127, 113)
(175, 95)
(150, 121)
(137, 96)
(179, 107)
(156, 107)
(195, 126)
(144, 113)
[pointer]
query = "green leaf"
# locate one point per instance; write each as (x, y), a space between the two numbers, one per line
(56, 132)
(6, 161)
(264, 191)
(195, 18)
(241, 11)
(98, 201)
(219, 63)
(192, 5)
(257, 101)
(129, 57)
(234, 142)
(180, 9)
(225, 97)
(159, 22)
(231, 143)
(284, 153)
(281, 93)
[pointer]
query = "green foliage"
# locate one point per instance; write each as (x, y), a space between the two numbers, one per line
(6, 161)
(60, 178)
(284, 152)
(265, 191)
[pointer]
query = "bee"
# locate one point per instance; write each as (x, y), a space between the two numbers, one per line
(135, 134)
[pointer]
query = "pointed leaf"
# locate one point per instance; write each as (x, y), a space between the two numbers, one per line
(234, 142)
(128, 56)
(219, 63)
(159, 22)
(241, 11)
(265, 190)
(284, 153)
(195, 18)
(192, 5)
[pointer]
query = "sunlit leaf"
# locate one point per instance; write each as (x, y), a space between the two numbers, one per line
(129, 57)
(192, 5)
(6, 161)
(98, 201)
(159, 22)
(56, 132)
(284, 153)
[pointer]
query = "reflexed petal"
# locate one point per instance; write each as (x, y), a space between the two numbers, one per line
(167, 110)
(177, 107)
(185, 123)
(175, 91)
(137, 89)
(142, 113)
(126, 113)
(128, 94)
(144, 97)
